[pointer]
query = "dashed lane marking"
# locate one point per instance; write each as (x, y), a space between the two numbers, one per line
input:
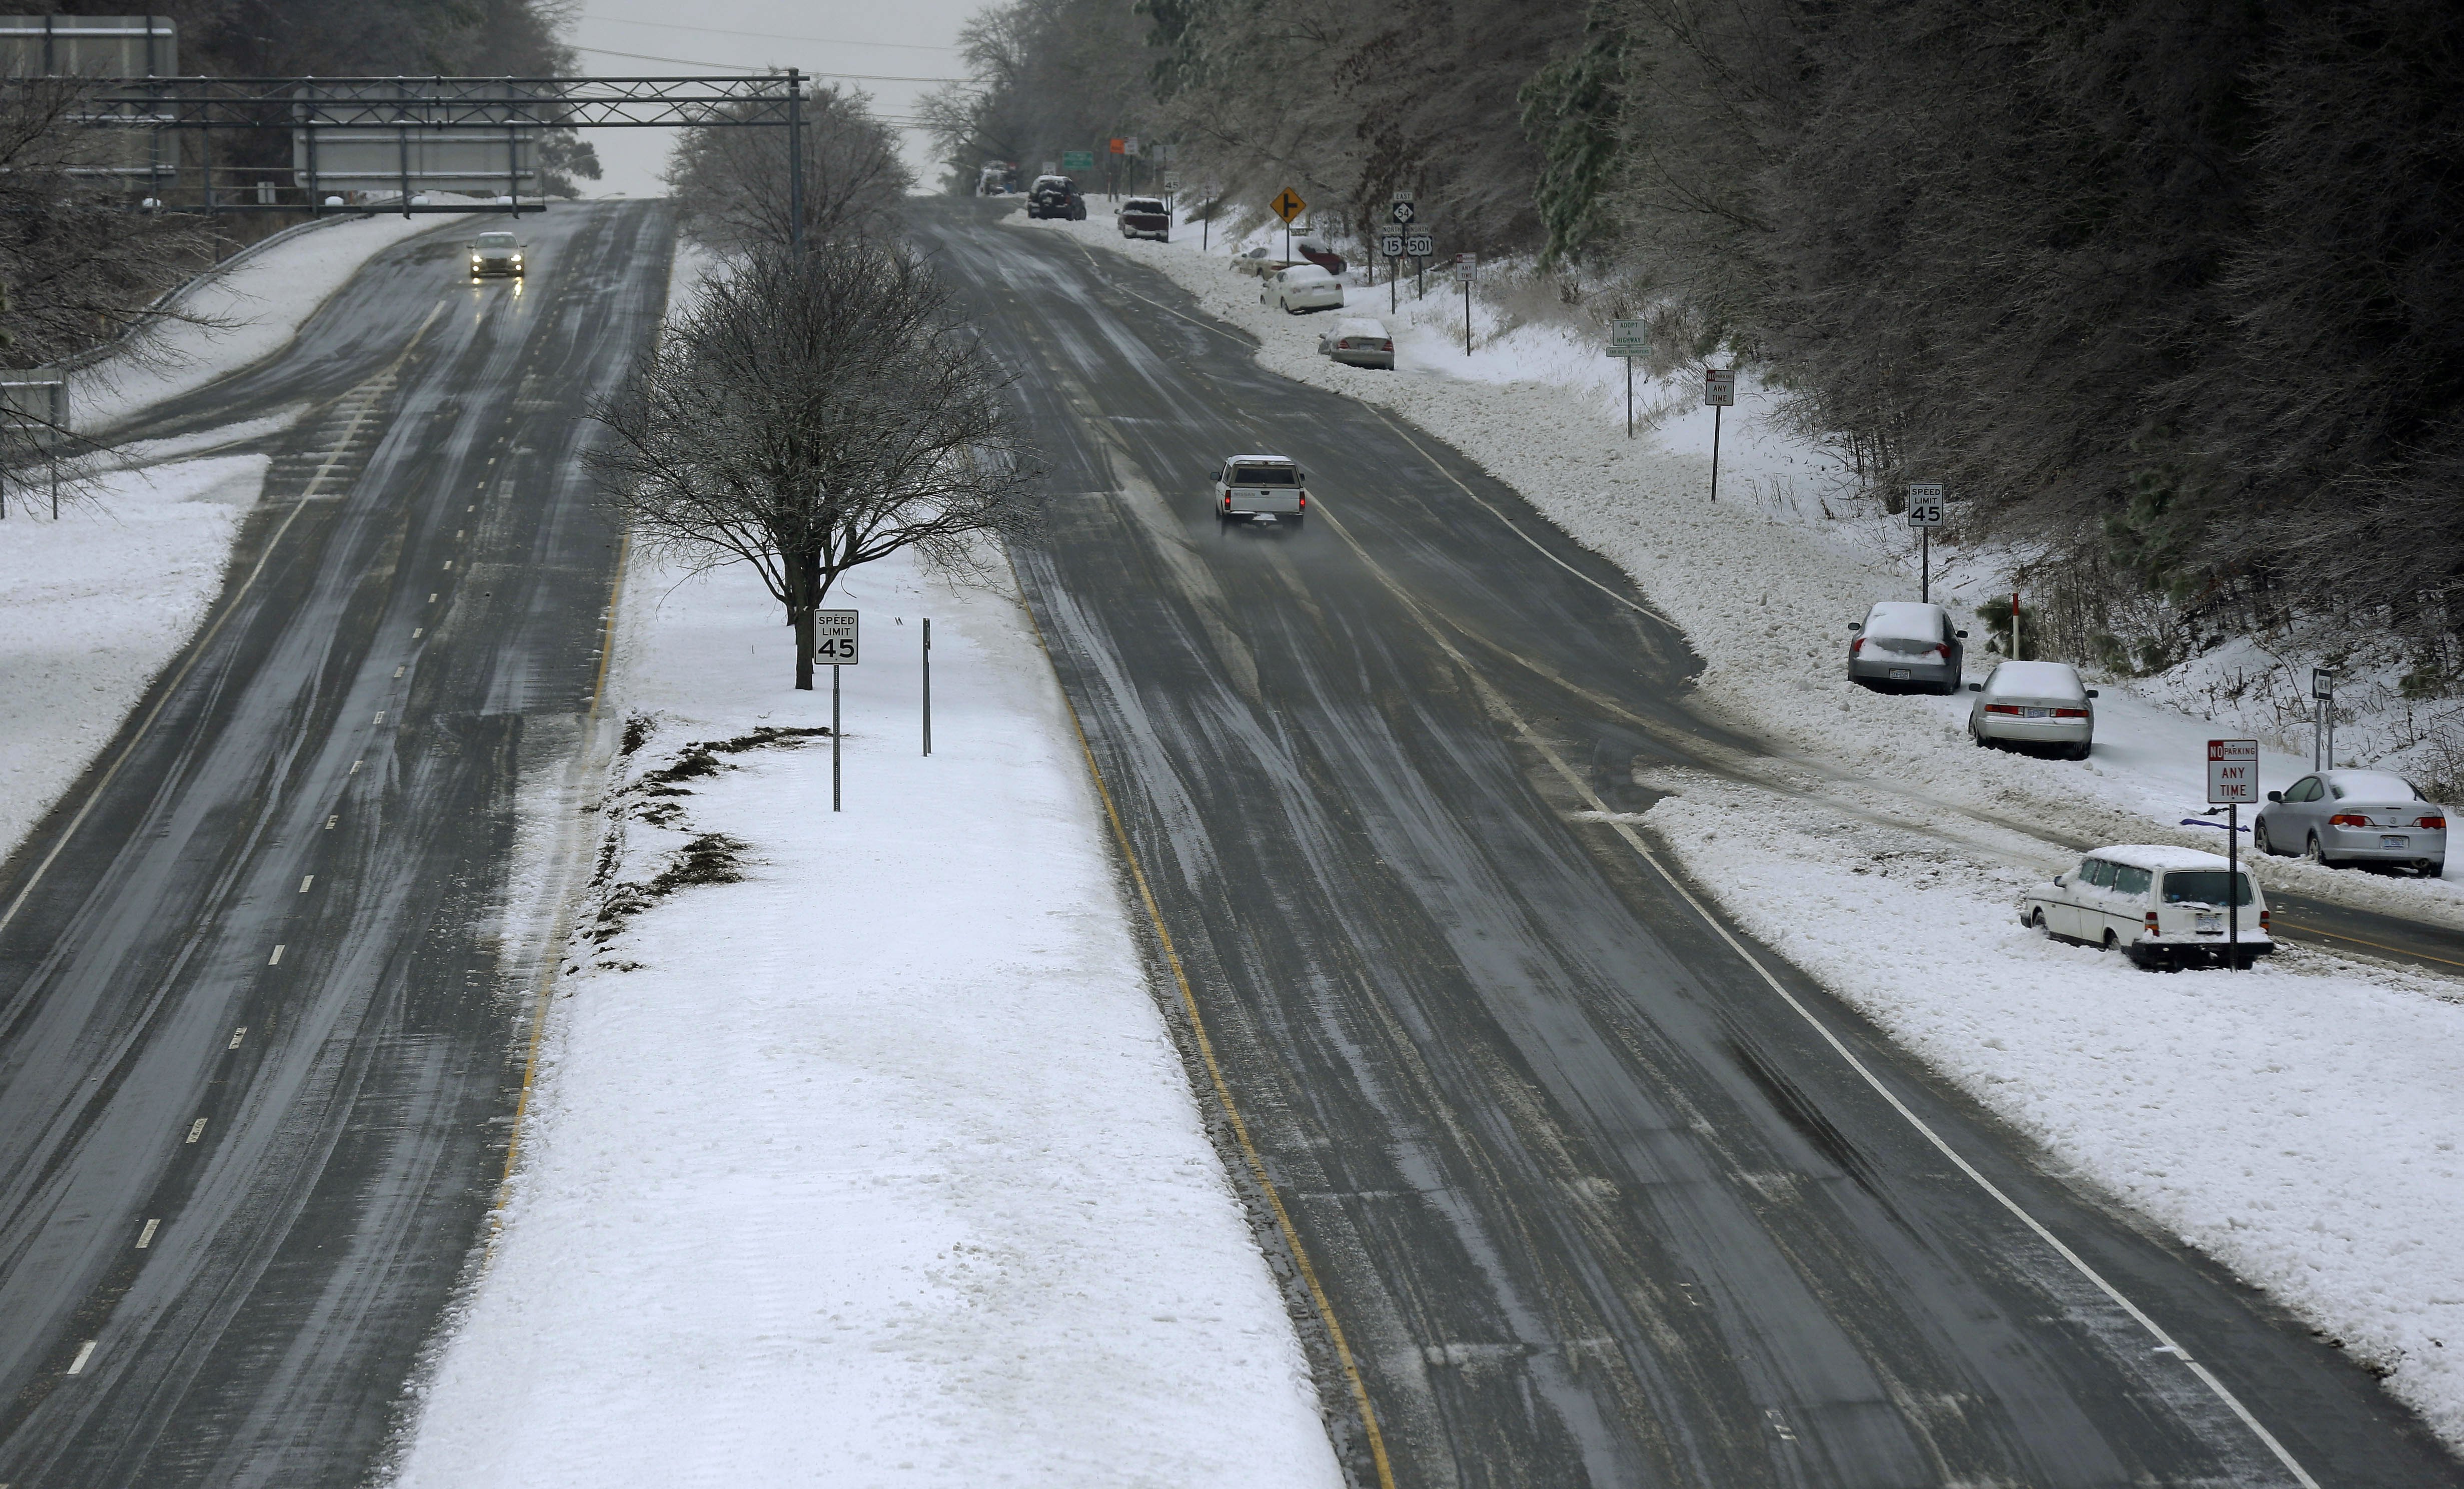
(416, 631)
(146, 1237)
(306, 879)
(431, 599)
(330, 821)
(274, 960)
(379, 715)
(86, 1352)
(196, 1130)
(237, 1035)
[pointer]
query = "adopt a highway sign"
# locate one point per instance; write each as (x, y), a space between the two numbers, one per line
(834, 638)
(1287, 204)
(1629, 339)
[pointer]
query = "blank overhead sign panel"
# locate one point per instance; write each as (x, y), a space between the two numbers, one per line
(417, 135)
(101, 46)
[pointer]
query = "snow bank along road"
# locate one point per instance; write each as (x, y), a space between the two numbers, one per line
(256, 1066)
(1597, 1190)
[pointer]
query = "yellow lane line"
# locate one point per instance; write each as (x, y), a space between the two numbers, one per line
(2312, 930)
(1222, 1088)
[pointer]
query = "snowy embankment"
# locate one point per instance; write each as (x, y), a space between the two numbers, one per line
(100, 600)
(2300, 1121)
(879, 1164)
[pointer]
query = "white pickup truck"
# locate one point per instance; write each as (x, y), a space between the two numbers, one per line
(1250, 487)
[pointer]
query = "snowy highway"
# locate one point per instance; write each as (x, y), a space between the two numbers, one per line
(1591, 1189)
(257, 1064)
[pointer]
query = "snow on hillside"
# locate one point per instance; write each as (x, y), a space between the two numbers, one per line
(2300, 1122)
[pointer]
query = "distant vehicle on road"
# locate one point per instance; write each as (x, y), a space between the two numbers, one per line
(1056, 197)
(1145, 217)
(2034, 703)
(496, 253)
(2338, 817)
(1248, 487)
(997, 178)
(2163, 907)
(1358, 342)
(1301, 288)
(1904, 644)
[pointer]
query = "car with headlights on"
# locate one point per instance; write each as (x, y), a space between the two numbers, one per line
(2034, 703)
(1358, 342)
(496, 253)
(1302, 288)
(2339, 818)
(1906, 644)
(2164, 908)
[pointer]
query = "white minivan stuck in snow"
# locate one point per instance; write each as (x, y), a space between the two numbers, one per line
(2164, 908)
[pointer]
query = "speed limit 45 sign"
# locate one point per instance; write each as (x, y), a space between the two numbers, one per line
(1925, 503)
(834, 638)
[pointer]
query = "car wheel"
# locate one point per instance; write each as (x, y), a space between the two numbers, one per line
(2258, 837)
(1974, 737)
(2034, 918)
(2435, 868)
(2112, 942)
(2316, 854)
(2079, 751)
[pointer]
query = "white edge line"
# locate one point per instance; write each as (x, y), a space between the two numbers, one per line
(1643, 850)
(86, 1352)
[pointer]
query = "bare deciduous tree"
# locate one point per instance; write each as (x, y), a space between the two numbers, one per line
(811, 412)
(730, 182)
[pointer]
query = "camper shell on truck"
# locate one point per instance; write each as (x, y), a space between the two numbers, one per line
(1251, 486)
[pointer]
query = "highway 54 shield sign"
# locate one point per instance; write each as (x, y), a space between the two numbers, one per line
(834, 638)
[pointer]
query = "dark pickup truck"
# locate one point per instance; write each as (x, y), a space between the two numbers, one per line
(1056, 197)
(1145, 217)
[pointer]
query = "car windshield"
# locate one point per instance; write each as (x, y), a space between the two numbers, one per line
(2372, 786)
(1265, 475)
(496, 240)
(2202, 886)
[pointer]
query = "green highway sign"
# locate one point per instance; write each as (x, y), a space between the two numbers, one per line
(1077, 160)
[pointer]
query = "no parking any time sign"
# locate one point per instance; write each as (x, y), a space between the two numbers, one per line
(2233, 771)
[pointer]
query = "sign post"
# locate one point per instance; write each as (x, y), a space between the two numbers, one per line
(2322, 729)
(1287, 205)
(1466, 268)
(1925, 515)
(928, 685)
(834, 636)
(1719, 391)
(2233, 778)
(1629, 340)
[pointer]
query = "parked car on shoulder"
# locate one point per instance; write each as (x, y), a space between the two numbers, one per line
(1248, 487)
(2034, 703)
(497, 252)
(1358, 342)
(1906, 644)
(1258, 261)
(1144, 217)
(1302, 288)
(1056, 197)
(2164, 908)
(2339, 818)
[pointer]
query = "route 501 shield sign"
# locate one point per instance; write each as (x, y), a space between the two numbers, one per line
(834, 638)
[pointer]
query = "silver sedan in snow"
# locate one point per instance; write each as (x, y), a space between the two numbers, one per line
(2034, 703)
(2354, 816)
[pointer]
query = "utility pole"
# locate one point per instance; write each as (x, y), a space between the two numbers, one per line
(928, 685)
(796, 239)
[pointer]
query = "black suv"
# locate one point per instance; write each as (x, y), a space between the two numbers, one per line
(1056, 197)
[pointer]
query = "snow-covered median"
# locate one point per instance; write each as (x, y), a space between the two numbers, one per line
(879, 1164)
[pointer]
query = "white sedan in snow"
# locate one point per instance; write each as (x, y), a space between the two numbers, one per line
(2034, 703)
(1302, 287)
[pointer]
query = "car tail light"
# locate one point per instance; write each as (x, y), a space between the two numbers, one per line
(1304, 501)
(1855, 646)
(2434, 824)
(2001, 708)
(2348, 819)
(2152, 924)
(2070, 712)
(2262, 920)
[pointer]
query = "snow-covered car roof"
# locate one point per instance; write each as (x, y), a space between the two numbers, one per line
(1142, 204)
(1300, 272)
(2159, 856)
(1905, 618)
(2370, 786)
(2058, 679)
(1043, 181)
(1256, 460)
(1358, 325)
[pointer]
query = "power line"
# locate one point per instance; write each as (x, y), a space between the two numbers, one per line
(772, 35)
(738, 67)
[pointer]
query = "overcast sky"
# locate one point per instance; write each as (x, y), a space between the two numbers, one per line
(906, 40)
